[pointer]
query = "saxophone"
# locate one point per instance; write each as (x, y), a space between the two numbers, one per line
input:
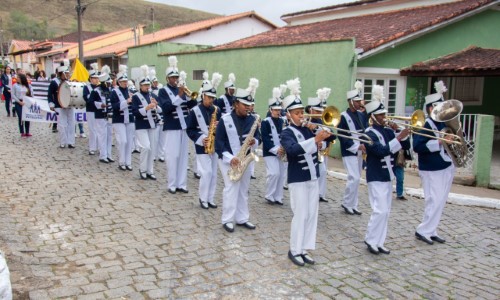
(235, 173)
(210, 147)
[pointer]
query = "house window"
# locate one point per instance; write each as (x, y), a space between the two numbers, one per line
(198, 74)
(469, 90)
(390, 91)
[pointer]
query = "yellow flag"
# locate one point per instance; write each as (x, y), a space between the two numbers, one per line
(79, 72)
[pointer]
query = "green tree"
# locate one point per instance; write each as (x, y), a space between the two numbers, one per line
(24, 28)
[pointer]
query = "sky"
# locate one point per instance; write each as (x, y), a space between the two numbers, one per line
(271, 10)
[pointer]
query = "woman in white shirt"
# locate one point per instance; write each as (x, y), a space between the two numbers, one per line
(20, 90)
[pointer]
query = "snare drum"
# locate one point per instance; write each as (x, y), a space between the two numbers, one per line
(71, 94)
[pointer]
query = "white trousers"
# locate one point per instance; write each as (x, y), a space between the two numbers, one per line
(234, 196)
(304, 203)
(322, 177)
(275, 178)
(380, 196)
(92, 131)
(160, 138)
(104, 137)
(146, 140)
(207, 168)
(125, 141)
(176, 157)
(353, 166)
(251, 166)
(436, 186)
(66, 125)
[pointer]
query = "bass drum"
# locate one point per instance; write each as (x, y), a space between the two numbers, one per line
(71, 94)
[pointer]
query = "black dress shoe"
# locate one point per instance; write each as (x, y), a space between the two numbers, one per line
(229, 227)
(110, 159)
(285, 188)
(162, 160)
(171, 191)
(278, 203)
(347, 210)
(197, 176)
(247, 225)
(151, 176)
(296, 259)
(203, 205)
(182, 191)
(307, 259)
(136, 151)
(71, 146)
(129, 168)
(253, 177)
(122, 167)
(423, 238)
(384, 250)
(91, 152)
(143, 175)
(372, 250)
(269, 201)
(436, 238)
(356, 212)
(103, 160)
(212, 205)
(321, 199)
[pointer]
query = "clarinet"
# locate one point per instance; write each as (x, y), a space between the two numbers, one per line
(154, 113)
(108, 109)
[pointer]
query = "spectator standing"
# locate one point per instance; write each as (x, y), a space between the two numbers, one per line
(21, 89)
(7, 86)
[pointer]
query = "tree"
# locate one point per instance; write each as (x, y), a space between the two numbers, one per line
(24, 28)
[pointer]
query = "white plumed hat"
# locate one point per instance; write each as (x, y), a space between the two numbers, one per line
(172, 70)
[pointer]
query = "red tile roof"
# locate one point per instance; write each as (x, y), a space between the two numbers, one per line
(343, 5)
(73, 37)
(370, 31)
(472, 61)
(166, 34)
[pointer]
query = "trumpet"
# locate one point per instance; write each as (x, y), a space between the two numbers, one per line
(416, 124)
(188, 92)
(331, 119)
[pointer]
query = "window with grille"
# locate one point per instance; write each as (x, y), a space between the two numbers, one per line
(390, 91)
(469, 90)
(198, 74)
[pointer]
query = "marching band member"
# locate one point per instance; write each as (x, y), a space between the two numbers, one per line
(352, 151)
(175, 104)
(132, 90)
(159, 153)
(65, 116)
(101, 99)
(123, 119)
(201, 126)
(379, 172)
(436, 171)
(301, 146)
(90, 106)
(274, 154)
(233, 130)
(146, 110)
(225, 102)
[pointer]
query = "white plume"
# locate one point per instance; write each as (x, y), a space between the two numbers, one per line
(145, 70)
(94, 66)
(440, 87)
(323, 93)
(152, 73)
(358, 85)
(283, 88)
(172, 61)
(122, 68)
(66, 62)
(216, 79)
(276, 93)
(294, 86)
(182, 78)
(205, 76)
(252, 86)
(130, 84)
(231, 77)
(105, 69)
(378, 93)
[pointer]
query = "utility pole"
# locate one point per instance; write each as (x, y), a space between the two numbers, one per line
(79, 12)
(1, 40)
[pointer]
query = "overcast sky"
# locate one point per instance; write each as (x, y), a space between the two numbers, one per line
(269, 9)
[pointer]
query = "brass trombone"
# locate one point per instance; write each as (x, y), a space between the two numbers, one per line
(331, 119)
(416, 124)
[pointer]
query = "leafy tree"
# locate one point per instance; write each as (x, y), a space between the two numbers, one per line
(24, 28)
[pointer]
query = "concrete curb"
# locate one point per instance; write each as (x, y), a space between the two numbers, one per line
(459, 199)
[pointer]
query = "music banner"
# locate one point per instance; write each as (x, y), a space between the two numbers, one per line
(36, 110)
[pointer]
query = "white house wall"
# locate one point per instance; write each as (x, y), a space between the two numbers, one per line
(225, 33)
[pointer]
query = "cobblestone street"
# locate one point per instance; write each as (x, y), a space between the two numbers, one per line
(74, 228)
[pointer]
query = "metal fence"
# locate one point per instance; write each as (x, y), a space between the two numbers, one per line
(469, 126)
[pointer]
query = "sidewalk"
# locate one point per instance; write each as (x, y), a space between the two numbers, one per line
(460, 194)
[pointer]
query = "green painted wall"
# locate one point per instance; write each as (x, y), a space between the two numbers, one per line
(480, 30)
(491, 98)
(483, 149)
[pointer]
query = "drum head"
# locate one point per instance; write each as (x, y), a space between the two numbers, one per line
(64, 95)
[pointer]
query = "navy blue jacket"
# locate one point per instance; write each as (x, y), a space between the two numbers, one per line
(52, 96)
(267, 137)
(221, 139)
(170, 117)
(429, 150)
(360, 121)
(298, 170)
(220, 103)
(5, 85)
(101, 113)
(141, 122)
(193, 129)
(376, 167)
(118, 114)
(89, 105)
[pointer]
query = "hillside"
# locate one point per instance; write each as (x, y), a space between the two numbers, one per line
(100, 15)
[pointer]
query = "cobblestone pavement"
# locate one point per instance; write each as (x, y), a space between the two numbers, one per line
(74, 228)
